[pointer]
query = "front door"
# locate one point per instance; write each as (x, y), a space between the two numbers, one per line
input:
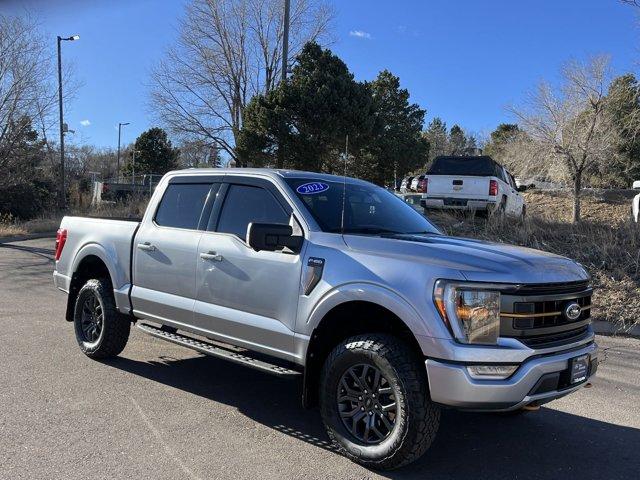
(245, 297)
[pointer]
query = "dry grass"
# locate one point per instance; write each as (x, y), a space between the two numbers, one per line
(606, 243)
(131, 209)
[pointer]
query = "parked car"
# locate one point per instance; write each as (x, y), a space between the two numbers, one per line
(405, 185)
(416, 182)
(302, 274)
(635, 208)
(471, 183)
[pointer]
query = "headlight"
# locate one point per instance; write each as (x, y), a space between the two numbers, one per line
(471, 310)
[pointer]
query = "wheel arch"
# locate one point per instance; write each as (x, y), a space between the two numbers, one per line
(90, 264)
(344, 320)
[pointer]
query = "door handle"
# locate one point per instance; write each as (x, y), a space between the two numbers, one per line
(147, 247)
(211, 256)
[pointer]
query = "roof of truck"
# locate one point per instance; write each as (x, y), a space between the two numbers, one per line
(271, 172)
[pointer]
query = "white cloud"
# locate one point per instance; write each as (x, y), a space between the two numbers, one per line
(85, 123)
(360, 34)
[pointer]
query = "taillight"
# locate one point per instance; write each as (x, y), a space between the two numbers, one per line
(61, 239)
(493, 188)
(105, 188)
(422, 185)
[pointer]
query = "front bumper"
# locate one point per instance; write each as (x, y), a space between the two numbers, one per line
(450, 383)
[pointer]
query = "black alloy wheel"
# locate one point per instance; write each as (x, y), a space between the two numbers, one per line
(92, 319)
(367, 403)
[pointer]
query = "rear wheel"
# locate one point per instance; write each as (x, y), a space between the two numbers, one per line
(101, 331)
(375, 403)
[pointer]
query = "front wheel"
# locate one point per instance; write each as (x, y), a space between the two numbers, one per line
(375, 403)
(101, 331)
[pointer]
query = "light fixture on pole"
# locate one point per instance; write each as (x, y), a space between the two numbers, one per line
(62, 202)
(120, 125)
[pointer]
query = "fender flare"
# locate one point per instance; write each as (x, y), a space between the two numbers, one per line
(372, 293)
(119, 277)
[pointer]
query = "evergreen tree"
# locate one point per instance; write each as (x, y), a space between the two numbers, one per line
(154, 154)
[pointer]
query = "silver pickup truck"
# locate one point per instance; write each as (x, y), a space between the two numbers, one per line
(339, 282)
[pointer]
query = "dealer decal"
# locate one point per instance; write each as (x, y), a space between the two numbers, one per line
(312, 188)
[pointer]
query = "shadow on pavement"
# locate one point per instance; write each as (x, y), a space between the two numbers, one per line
(547, 444)
(41, 252)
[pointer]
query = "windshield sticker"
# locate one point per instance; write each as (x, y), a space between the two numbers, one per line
(312, 188)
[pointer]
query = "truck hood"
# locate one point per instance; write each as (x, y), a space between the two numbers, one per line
(476, 260)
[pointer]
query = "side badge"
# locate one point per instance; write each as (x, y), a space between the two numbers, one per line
(312, 274)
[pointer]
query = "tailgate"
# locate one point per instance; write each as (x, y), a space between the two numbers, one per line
(462, 186)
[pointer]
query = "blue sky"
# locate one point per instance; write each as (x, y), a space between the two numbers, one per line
(461, 60)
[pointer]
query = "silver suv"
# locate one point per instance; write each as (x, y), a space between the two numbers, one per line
(340, 282)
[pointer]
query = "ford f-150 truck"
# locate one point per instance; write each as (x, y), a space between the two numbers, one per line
(475, 183)
(339, 282)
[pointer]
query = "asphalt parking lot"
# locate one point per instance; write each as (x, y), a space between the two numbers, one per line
(163, 412)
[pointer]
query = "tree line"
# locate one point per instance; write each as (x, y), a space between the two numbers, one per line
(218, 93)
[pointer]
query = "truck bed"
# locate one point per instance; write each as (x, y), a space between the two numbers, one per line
(107, 238)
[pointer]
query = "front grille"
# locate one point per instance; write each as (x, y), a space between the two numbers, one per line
(548, 313)
(555, 340)
(535, 313)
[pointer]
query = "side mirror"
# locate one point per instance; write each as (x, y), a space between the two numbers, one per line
(272, 237)
(636, 185)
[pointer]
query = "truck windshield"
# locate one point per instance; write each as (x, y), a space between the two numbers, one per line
(368, 209)
(473, 166)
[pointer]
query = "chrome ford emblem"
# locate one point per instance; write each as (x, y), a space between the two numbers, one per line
(572, 311)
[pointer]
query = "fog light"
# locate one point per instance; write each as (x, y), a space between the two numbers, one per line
(491, 372)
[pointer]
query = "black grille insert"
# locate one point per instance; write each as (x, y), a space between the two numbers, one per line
(557, 339)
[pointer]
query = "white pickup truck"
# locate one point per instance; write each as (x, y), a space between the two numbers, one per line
(475, 183)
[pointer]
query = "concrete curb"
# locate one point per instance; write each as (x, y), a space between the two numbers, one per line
(607, 328)
(28, 236)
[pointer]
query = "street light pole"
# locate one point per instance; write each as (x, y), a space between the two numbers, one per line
(62, 201)
(120, 125)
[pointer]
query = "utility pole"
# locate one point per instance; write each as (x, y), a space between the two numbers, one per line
(285, 65)
(285, 40)
(120, 125)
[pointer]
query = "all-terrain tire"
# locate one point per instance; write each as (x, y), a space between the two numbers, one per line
(115, 327)
(417, 418)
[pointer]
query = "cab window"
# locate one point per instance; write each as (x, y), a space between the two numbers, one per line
(246, 204)
(182, 204)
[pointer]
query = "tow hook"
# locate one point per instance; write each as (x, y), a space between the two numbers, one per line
(588, 385)
(531, 407)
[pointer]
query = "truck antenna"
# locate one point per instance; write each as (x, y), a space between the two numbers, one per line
(344, 183)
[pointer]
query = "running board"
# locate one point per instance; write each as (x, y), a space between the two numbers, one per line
(218, 351)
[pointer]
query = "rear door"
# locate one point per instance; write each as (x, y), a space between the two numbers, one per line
(165, 251)
(245, 297)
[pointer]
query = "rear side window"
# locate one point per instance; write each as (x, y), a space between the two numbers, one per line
(181, 205)
(245, 204)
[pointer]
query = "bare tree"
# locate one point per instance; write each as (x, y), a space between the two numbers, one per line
(634, 3)
(570, 127)
(24, 91)
(228, 51)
